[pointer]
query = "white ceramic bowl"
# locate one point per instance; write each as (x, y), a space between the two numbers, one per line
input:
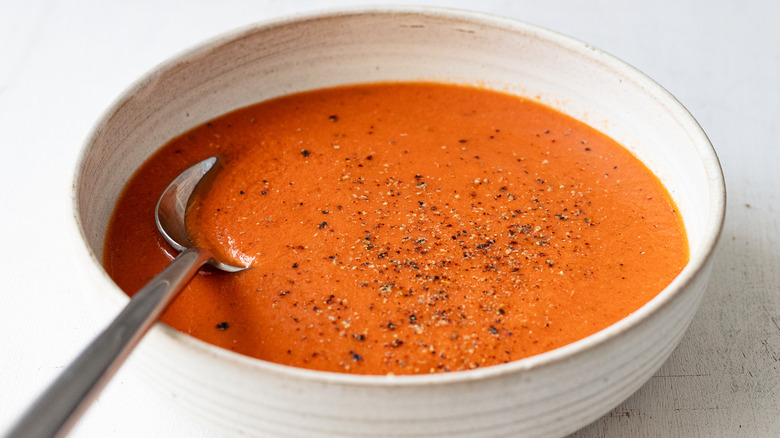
(546, 395)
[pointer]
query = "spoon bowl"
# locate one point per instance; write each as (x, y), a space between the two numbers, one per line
(172, 207)
(56, 410)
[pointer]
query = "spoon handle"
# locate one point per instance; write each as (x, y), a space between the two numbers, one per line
(56, 411)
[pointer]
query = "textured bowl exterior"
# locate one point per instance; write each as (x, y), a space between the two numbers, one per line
(551, 394)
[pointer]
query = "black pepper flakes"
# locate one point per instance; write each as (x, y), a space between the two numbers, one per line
(222, 326)
(356, 357)
(395, 343)
(485, 245)
(305, 153)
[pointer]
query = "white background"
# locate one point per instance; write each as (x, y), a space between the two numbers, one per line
(63, 62)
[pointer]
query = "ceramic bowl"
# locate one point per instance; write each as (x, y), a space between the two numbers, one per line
(550, 394)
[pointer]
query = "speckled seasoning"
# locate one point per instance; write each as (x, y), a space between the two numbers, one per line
(405, 228)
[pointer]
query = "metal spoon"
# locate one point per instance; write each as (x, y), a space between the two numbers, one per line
(58, 409)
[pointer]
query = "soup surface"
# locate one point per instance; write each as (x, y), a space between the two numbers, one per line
(404, 228)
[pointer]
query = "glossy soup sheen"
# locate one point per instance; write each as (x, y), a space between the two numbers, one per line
(405, 228)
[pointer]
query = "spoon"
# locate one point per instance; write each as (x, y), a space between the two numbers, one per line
(58, 409)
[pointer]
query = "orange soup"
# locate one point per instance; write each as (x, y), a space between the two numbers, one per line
(404, 228)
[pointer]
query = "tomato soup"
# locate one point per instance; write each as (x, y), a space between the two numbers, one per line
(404, 228)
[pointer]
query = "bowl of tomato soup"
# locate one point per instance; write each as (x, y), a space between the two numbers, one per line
(455, 224)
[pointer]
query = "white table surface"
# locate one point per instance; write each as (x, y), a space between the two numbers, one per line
(63, 62)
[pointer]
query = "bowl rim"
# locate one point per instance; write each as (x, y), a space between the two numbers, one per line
(694, 267)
